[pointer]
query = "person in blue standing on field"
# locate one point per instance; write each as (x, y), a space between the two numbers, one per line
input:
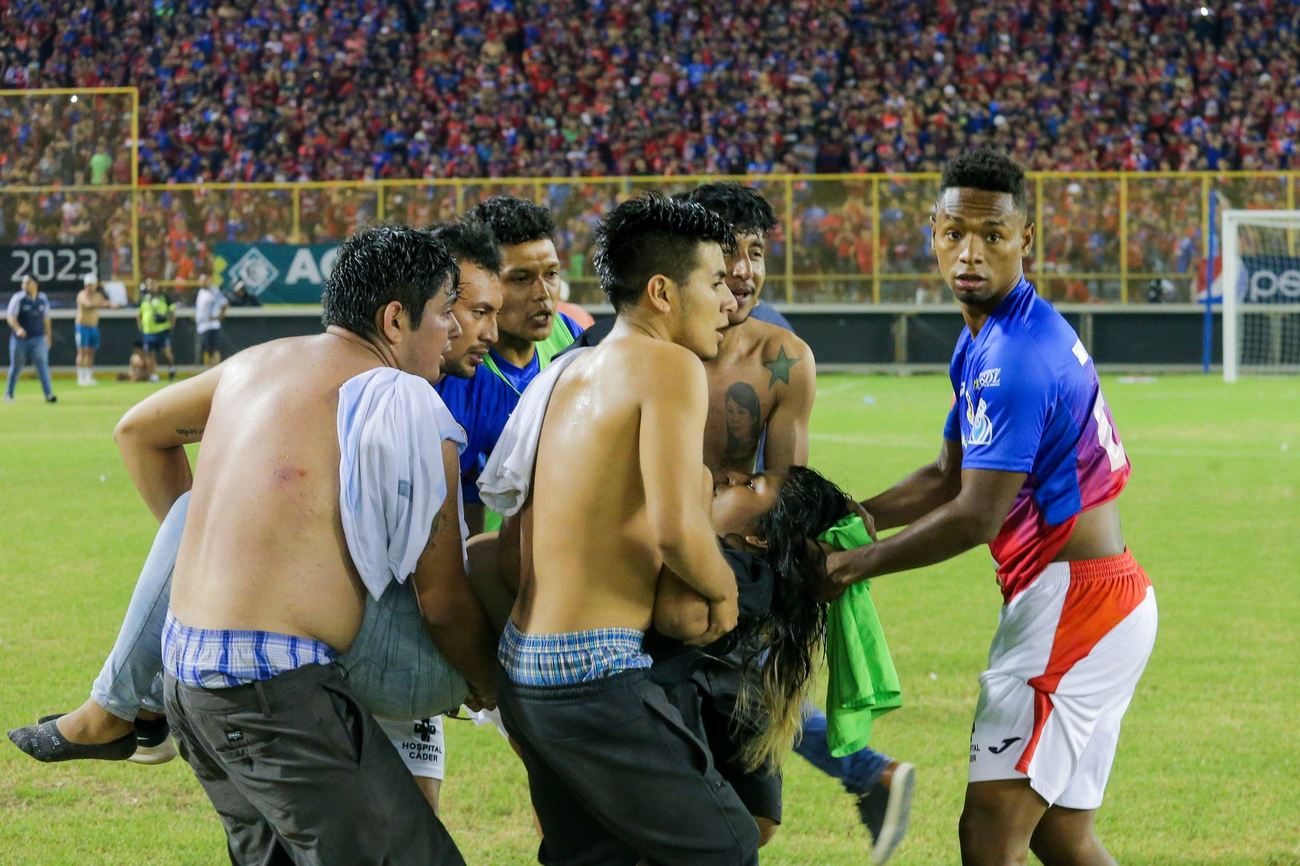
(530, 332)
(30, 337)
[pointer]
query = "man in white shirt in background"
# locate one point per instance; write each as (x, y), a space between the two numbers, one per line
(209, 309)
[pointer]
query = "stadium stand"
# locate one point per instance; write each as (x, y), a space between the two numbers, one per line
(482, 88)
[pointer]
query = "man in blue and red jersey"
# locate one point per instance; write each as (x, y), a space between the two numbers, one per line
(1031, 464)
(530, 334)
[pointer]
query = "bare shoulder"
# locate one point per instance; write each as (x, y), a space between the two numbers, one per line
(774, 338)
(786, 358)
(658, 365)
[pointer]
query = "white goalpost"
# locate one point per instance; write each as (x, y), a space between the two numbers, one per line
(1260, 282)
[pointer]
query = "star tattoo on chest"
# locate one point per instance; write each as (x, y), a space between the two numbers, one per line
(779, 367)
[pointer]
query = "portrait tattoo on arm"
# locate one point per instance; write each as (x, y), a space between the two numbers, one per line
(779, 367)
(744, 421)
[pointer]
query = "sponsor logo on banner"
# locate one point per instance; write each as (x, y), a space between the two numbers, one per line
(1261, 280)
(1271, 280)
(276, 273)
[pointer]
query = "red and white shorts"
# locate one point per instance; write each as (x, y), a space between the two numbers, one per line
(1065, 661)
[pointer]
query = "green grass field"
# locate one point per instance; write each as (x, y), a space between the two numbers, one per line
(1208, 770)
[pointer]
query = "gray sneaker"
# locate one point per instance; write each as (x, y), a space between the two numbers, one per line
(884, 810)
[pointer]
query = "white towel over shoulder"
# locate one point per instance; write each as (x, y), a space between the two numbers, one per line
(505, 480)
(391, 427)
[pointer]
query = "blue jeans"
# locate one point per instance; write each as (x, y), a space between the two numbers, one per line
(857, 772)
(131, 677)
(29, 350)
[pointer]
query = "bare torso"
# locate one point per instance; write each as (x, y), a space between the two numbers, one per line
(263, 546)
(753, 373)
(88, 306)
(587, 530)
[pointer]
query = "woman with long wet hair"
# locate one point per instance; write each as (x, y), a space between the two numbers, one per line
(774, 519)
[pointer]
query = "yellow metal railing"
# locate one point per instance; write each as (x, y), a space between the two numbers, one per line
(843, 238)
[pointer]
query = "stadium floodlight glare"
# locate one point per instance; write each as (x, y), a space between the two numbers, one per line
(1260, 282)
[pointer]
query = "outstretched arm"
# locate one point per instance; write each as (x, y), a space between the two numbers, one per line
(974, 517)
(152, 436)
(921, 492)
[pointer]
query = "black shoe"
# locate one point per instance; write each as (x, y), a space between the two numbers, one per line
(50, 398)
(884, 810)
(152, 736)
(153, 742)
(44, 743)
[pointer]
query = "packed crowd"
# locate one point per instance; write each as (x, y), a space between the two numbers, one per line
(277, 90)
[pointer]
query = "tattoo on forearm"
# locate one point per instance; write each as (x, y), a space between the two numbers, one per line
(190, 432)
(779, 367)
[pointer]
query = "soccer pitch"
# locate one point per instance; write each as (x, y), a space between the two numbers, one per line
(1208, 771)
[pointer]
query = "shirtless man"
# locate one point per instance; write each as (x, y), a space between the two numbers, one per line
(764, 378)
(287, 756)
(90, 300)
(761, 390)
(116, 722)
(616, 776)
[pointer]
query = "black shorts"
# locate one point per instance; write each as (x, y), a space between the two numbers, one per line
(706, 700)
(211, 340)
(616, 777)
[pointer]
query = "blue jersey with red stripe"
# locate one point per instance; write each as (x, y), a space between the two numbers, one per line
(1028, 400)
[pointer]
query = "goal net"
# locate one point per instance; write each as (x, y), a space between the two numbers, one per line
(1260, 282)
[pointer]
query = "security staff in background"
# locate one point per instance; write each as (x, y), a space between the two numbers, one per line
(157, 317)
(30, 338)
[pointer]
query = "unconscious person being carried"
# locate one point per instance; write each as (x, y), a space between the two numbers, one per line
(775, 529)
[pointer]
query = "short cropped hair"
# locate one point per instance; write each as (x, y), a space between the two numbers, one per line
(514, 220)
(649, 235)
(469, 240)
(382, 264)
(742, 206)
(989, 170)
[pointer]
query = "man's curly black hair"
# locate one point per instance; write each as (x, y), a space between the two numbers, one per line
(989, 170)
(742, 206)
(469, 240)
(381, 264)
(514, 220)
(650, 235)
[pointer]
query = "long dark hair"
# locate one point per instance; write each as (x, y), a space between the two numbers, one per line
(793, 632)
